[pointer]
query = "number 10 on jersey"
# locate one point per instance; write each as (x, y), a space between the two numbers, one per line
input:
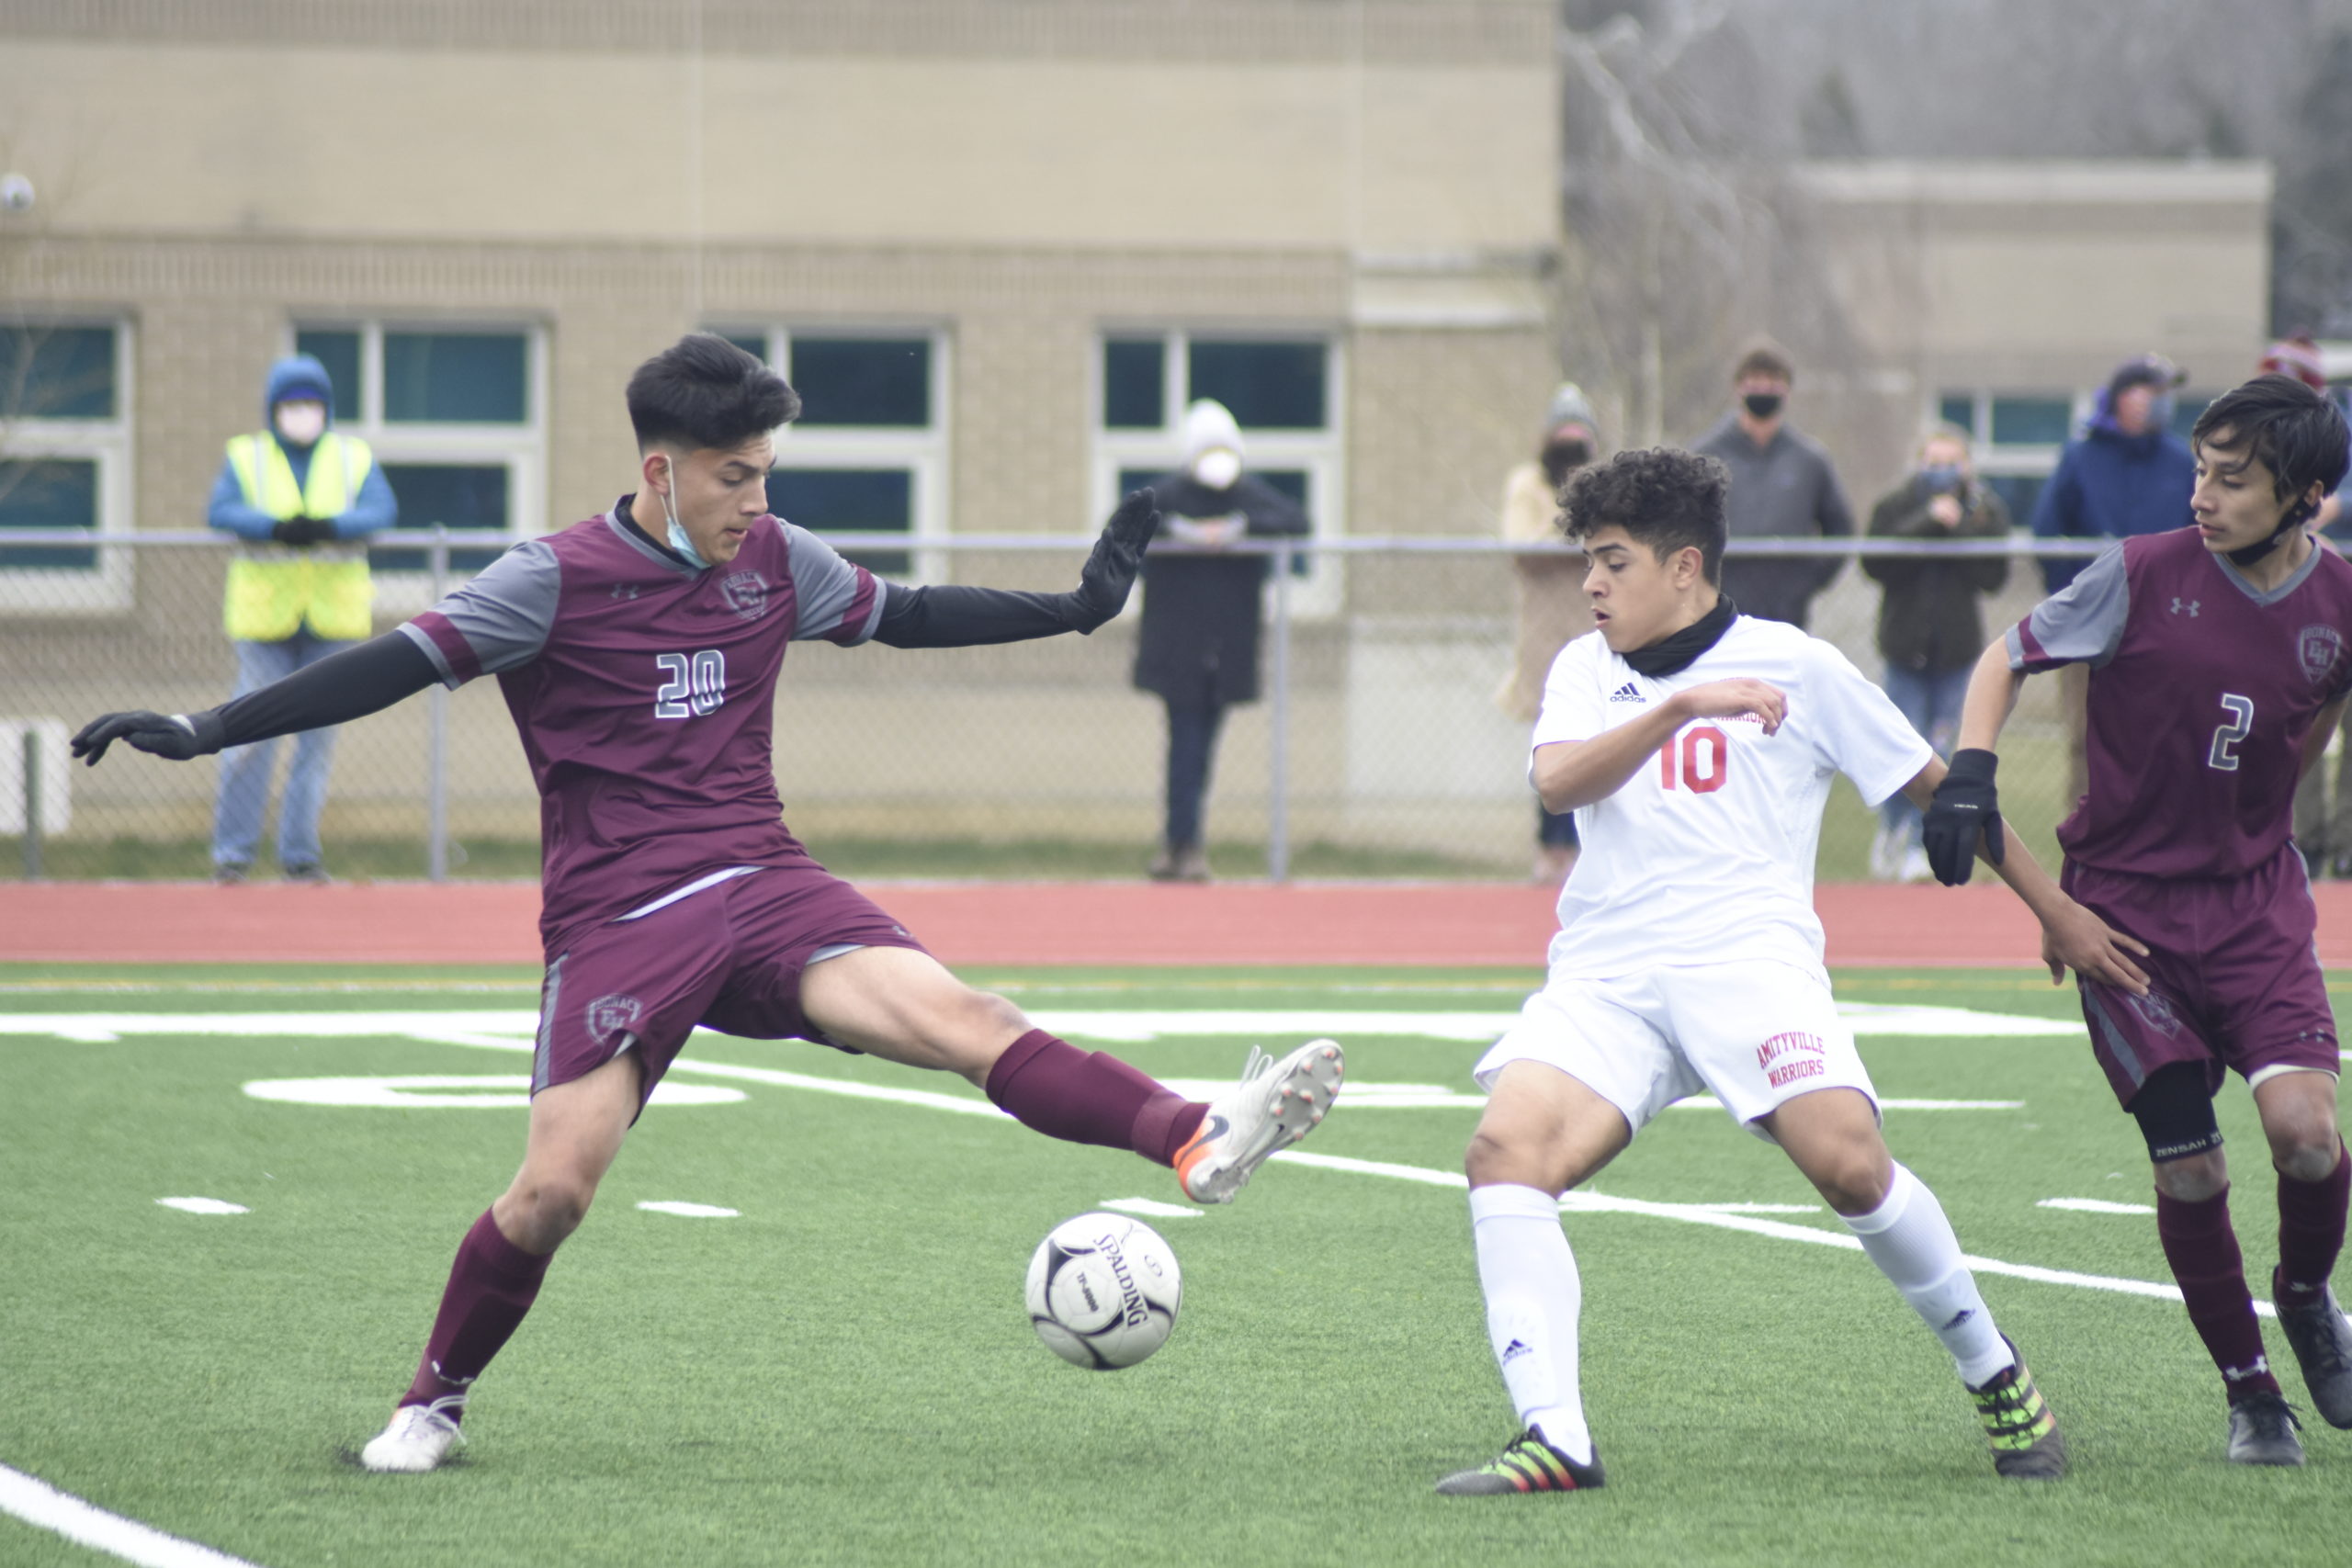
(1698, 760)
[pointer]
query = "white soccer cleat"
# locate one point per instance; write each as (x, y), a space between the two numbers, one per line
(1273, 1106)
(419, 1438)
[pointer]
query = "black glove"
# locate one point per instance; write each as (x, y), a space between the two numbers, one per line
(303, 531)
(178, 737)
(1966, 805)
(1109, 572)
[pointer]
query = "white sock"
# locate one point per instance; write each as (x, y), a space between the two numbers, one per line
(1912, 1243)
(1533, 1297)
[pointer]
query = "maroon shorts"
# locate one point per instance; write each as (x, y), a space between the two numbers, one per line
(2234, 977)
(730, 955)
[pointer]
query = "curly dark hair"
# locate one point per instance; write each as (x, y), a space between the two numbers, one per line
(704, 391)
(2285, 426)
(1665, 498)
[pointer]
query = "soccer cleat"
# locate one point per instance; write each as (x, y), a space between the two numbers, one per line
(2027, 1444)
(2321, 1340)
(1273, 1106)
(1529, 1464)
(2262, 1431)
(419, 1438)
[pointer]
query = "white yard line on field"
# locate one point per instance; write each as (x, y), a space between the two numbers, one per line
(43, 1506)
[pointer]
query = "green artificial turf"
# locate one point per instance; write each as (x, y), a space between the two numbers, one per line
(842, 1374)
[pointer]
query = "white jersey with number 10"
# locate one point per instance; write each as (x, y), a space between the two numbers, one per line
(1705, 856)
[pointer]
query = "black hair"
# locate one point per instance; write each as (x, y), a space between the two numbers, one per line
(704, 391)
(2291, 430)
(1666, 499)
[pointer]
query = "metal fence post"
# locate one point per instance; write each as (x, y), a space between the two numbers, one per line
(1278, 743)
(436, 735)
(31, 797)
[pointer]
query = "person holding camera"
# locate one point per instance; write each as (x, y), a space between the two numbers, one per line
(1930, 623)
(302, 500)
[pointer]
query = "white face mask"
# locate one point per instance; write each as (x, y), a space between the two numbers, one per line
(1216, 468)
(678, 540)
(302, 422)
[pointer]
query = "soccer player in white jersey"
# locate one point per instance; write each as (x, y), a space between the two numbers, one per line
(1696, 747)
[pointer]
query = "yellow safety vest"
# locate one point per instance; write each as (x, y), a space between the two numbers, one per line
(274, 588)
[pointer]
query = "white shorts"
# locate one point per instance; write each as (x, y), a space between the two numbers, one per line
(1756, 1034)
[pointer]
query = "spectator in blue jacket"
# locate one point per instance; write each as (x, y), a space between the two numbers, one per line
(2127, 473)
(300, 499)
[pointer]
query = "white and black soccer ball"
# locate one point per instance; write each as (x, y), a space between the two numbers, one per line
(1103, 1290)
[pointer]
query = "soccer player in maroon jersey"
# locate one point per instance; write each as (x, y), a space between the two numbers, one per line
(639, 652)
(2219, 668)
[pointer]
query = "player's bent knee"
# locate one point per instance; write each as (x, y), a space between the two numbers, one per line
(2175, 1110)
(2193, 1178)
(1496, 1159)
(538, 1214)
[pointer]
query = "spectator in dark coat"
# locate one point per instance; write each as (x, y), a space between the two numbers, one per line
(1198, 651)
(1783, 485)
(1930, 619)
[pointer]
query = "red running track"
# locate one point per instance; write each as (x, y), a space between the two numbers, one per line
(980, 923)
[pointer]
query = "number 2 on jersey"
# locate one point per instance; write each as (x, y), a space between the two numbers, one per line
(2226, 735)
(1704, 754)
(694, 688)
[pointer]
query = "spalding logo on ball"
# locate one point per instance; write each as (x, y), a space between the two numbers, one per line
(1103, 1290)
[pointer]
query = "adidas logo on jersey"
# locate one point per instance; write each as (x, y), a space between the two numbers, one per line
(1627, 693)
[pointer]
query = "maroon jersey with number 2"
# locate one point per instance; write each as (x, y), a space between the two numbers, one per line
(2203, 689)
(644, 692)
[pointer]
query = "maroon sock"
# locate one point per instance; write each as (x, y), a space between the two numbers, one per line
(2203, 1252)
(1091, 1098)
(491, 1285)
(2310, 1227)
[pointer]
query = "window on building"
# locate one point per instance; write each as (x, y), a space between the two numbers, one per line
(455, 415)
(868, 454)
(64, 463)
(1282, 390)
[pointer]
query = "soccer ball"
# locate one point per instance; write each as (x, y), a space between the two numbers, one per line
(1103, 1290)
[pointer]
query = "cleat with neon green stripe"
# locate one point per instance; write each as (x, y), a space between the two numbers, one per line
(2027, 1445)
(1529, 1464)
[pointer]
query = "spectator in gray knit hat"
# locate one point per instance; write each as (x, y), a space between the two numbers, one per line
(1552, 608)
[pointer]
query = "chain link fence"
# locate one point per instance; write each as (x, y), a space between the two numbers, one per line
(1378, 748)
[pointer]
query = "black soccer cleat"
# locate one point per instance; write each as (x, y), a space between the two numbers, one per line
(2023, 1430)
(2262, 1431)
(1529, 1464)
(2321, 1341)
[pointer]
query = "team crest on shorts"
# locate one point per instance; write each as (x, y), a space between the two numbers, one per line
(746, 593)
(2321, 647)
(2156, 1008)
(608, 1015)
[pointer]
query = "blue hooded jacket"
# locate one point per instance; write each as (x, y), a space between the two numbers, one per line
(2109, 485)
(297, 376)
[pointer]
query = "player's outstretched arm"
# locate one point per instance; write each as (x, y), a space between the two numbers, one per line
(1572, 774)
(953, 616)
(338, 689)
(2072, 937)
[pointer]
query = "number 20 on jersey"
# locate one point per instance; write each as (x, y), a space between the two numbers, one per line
(1698, 760)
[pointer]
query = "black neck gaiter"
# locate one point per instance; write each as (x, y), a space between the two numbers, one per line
(1671, 655)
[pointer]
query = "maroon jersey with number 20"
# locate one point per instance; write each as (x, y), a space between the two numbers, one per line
(644, 692)
(2203, 689)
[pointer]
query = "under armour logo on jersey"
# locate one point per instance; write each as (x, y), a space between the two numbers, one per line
(624, 590)
(2191, 606)
(2239, 1374)
(1626, 694)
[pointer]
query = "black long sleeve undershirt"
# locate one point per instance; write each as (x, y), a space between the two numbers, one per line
(385, 669)
(955, 616)
(336, 690)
